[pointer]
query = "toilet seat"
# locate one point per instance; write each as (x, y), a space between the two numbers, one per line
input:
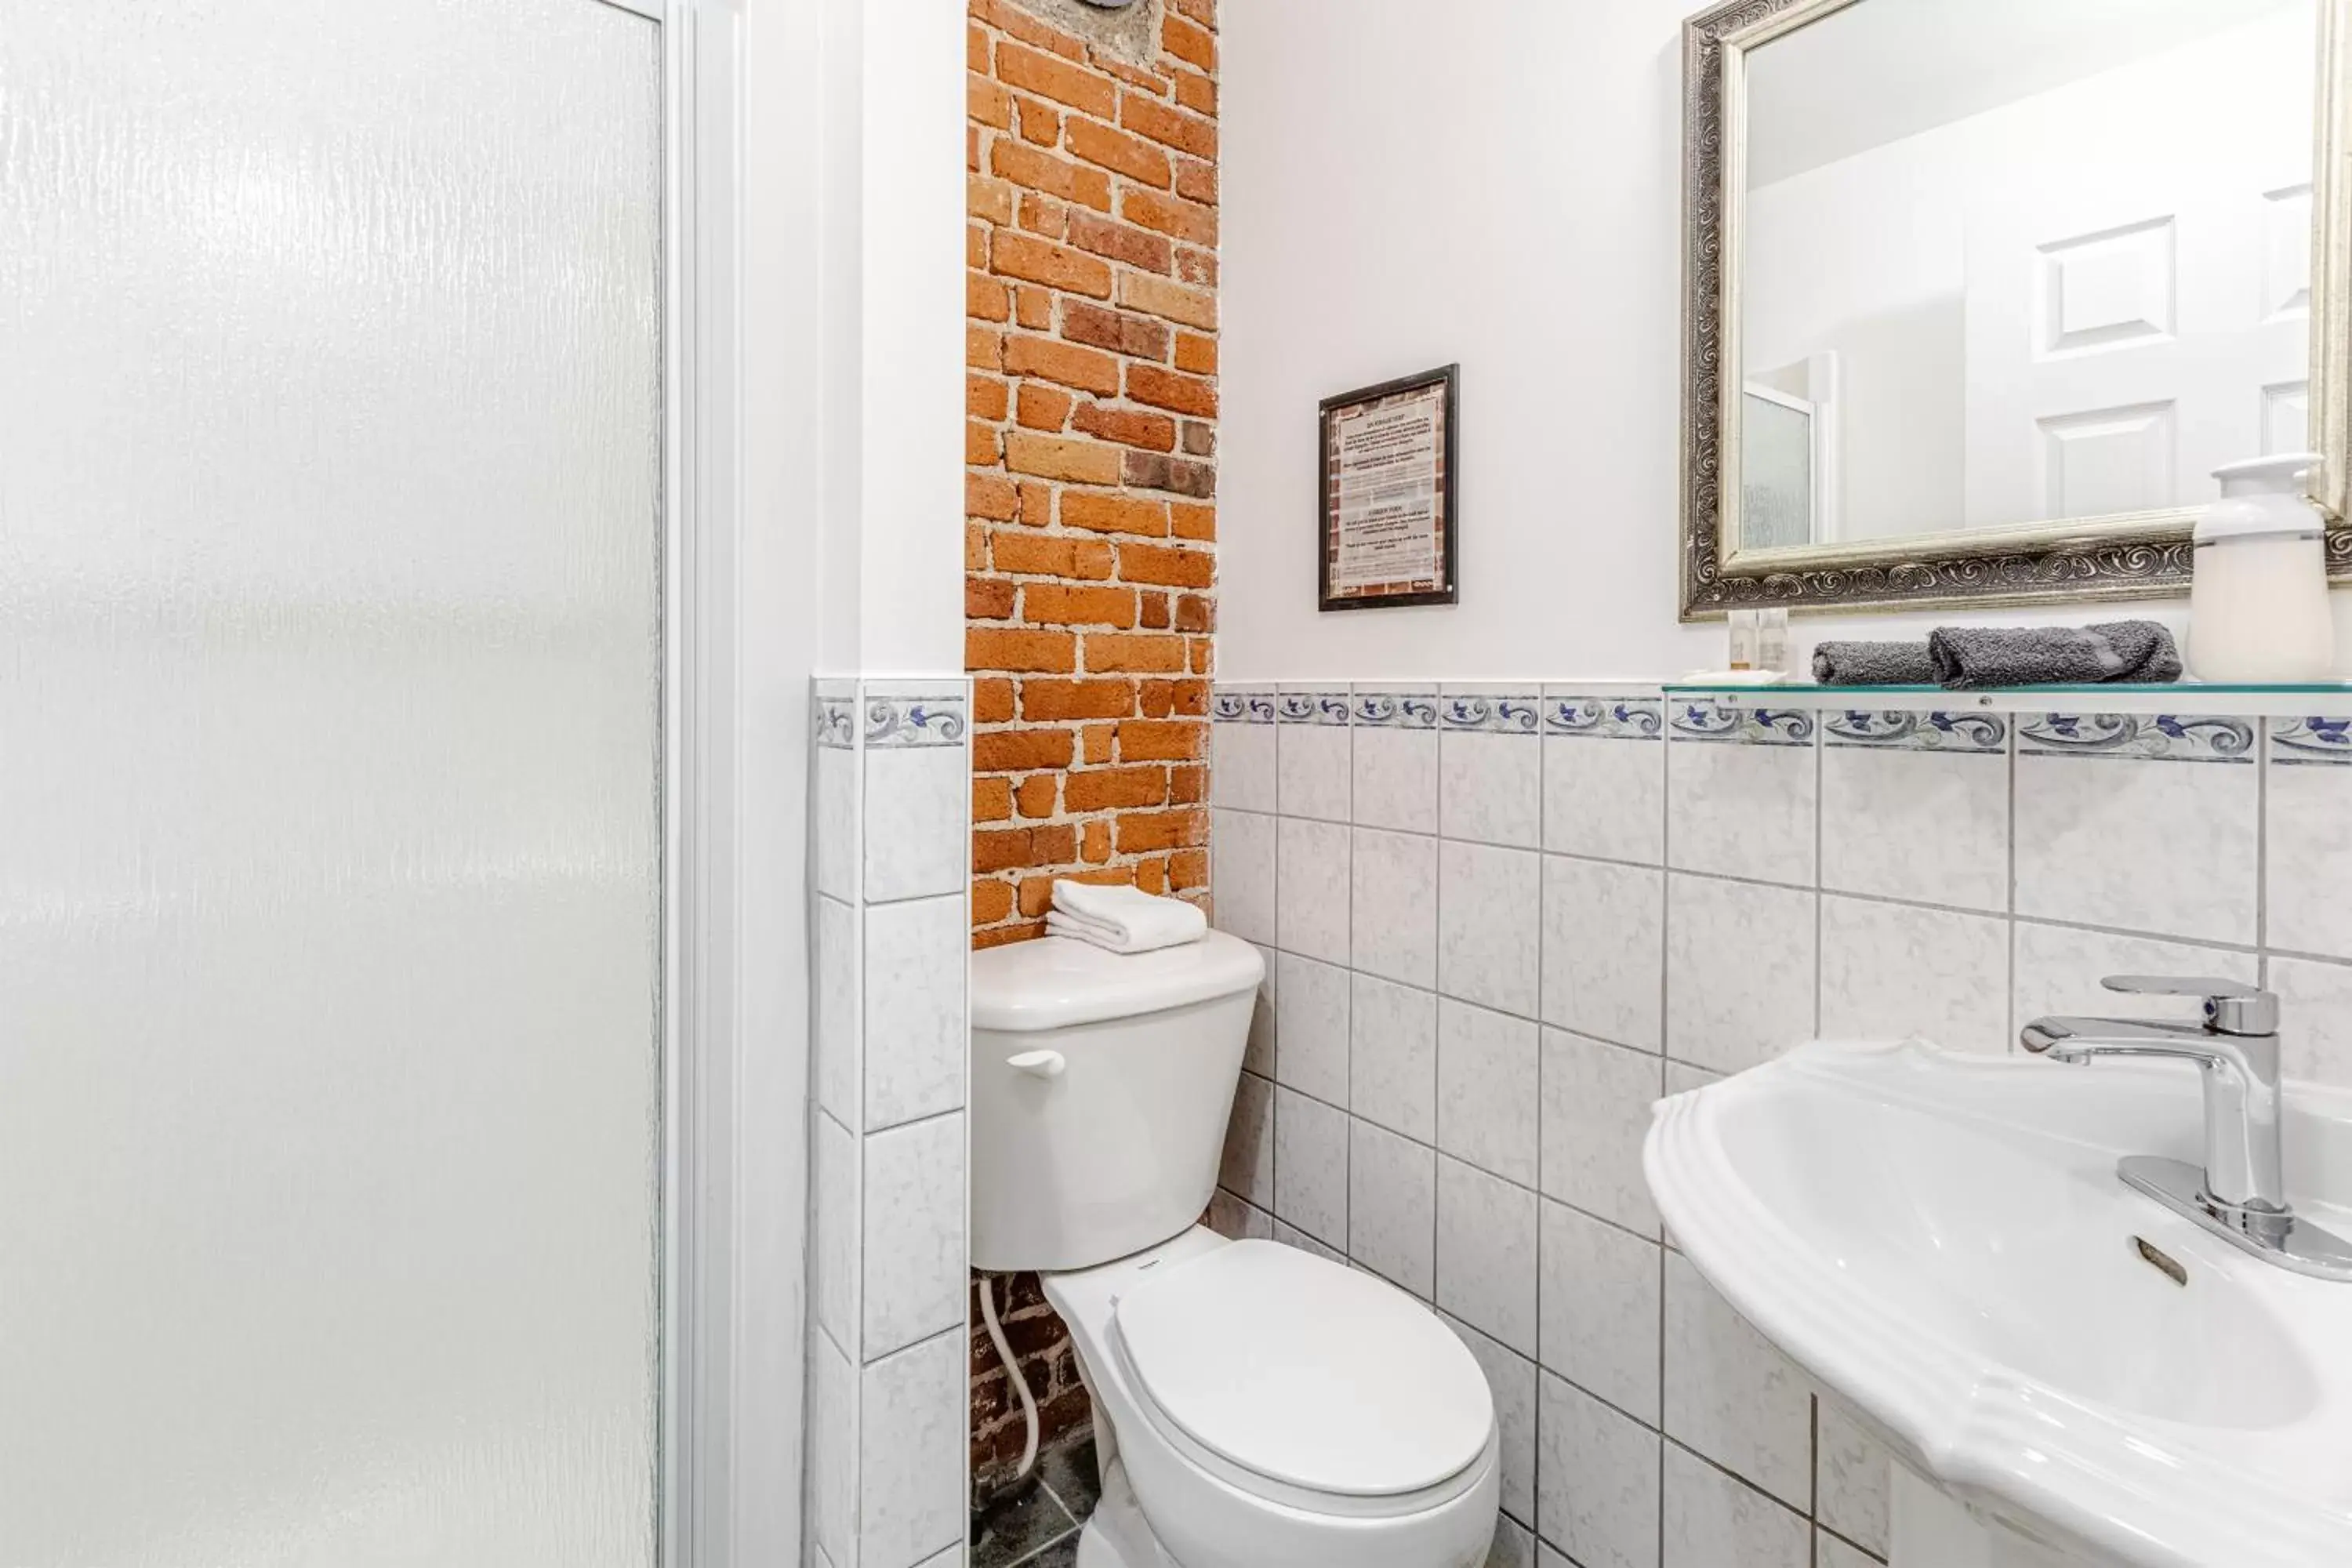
(1305, 1383)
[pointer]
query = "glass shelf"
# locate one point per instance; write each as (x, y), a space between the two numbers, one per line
(2300, 698)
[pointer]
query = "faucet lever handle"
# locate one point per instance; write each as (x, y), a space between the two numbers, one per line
(2171, 985)
(2232, 1006)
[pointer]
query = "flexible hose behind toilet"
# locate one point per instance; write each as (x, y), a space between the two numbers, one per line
(1013, 1371)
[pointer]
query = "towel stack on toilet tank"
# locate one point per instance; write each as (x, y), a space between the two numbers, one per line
(1122, 919)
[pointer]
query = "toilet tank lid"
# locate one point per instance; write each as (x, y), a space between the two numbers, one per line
(1056, 981)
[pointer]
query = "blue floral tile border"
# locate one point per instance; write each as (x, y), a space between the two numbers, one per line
(933, 720)
(1230, 705)
(1979, 734)
(1720, 721)
(834, 720)
(2148, 736)
(1311, 708)
(2312, 742)
(1604, 718)
(1511, 713)
(1396, 710)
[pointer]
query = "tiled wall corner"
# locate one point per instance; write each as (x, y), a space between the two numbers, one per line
(890, 844)
(1496, 940)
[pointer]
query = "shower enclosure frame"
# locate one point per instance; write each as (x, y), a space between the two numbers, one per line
(733, 1211)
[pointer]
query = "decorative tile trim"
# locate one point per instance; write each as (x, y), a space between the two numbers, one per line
(935, 720)
(1515, 714)
(1746, 726)
(2312, 742)
(1311, 708)
(1233, 707)
(1982, 734)
(2151, 737)
(1605, 718)
(1396, 710)
(834, 720)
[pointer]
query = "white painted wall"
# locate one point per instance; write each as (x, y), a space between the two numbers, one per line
(1500, 184)
(888, 80)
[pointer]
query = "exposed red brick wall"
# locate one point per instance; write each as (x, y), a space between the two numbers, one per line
(1090, 446)
(1090, 530)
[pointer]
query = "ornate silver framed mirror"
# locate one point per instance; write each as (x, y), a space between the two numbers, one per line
(1978, 292)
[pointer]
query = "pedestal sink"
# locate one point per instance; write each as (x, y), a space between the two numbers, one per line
(1941, 1241)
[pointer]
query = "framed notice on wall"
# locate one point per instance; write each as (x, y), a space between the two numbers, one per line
(1388, 532)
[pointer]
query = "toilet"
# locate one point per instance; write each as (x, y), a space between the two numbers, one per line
(1255, 1405)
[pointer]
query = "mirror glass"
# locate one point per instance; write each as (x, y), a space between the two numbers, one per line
(2008, 262)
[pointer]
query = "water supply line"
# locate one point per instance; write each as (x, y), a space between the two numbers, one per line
(1013, 1371)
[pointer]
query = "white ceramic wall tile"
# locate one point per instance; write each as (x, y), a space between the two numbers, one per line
(1490, 787)
(1829, 1551)
(837, 998)
(1740, 971)
(1311, 1053)
(1849, 1479)
(1928, 825)
(836, 811)
(1313, 764)
(1511, 1378)
(1599, 1310)
(1512, 1547)
(1486, 1253)
(912, 1453)
(1242, 753)
(1393, 1056)
(1258, 1056)
(917, 821)
(2164, 845)
(1241, 873)
(1597, 1480)
(1487, 1076)
(1234, 1220)
(913, 1248)
(1730, 1394)
(1892, 970)
(1291, 1235)
(1739, 808)
(2057, 969)
(1595, 1113)
(833, 1204)
(1393, 1208)
(2316, 1020)
(1605, 946)
(1310, 1166)
(1393, 923)
(833, 1447)
(2310, 840)
(1311, 889)
(1247, 1168)
(1490, 911)
(1604, 777)
(915, 1033)
(1396, 759)
(1710, 1521)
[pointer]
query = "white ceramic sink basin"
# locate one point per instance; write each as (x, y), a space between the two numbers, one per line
(1941, 1240)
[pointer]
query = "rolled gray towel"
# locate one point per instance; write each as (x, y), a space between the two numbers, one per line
(1971, 657)
(1872, 663)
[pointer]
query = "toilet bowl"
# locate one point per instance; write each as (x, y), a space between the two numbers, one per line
(1269, 1409)
(1255, 1405)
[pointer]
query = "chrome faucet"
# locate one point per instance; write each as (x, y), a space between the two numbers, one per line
(2240, 1194)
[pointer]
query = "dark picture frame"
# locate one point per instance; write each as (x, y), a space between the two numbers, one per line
(1444, 589)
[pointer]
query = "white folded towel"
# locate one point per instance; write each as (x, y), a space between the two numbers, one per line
(1122, 919)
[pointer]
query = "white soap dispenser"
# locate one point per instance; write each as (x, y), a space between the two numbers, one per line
(2258, 602)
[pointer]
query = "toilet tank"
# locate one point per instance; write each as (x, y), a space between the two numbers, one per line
(1101, 1084)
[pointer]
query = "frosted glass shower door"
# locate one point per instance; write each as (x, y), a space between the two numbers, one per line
(329, 759)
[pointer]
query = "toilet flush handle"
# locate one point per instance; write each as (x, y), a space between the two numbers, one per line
(1038, 1064)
